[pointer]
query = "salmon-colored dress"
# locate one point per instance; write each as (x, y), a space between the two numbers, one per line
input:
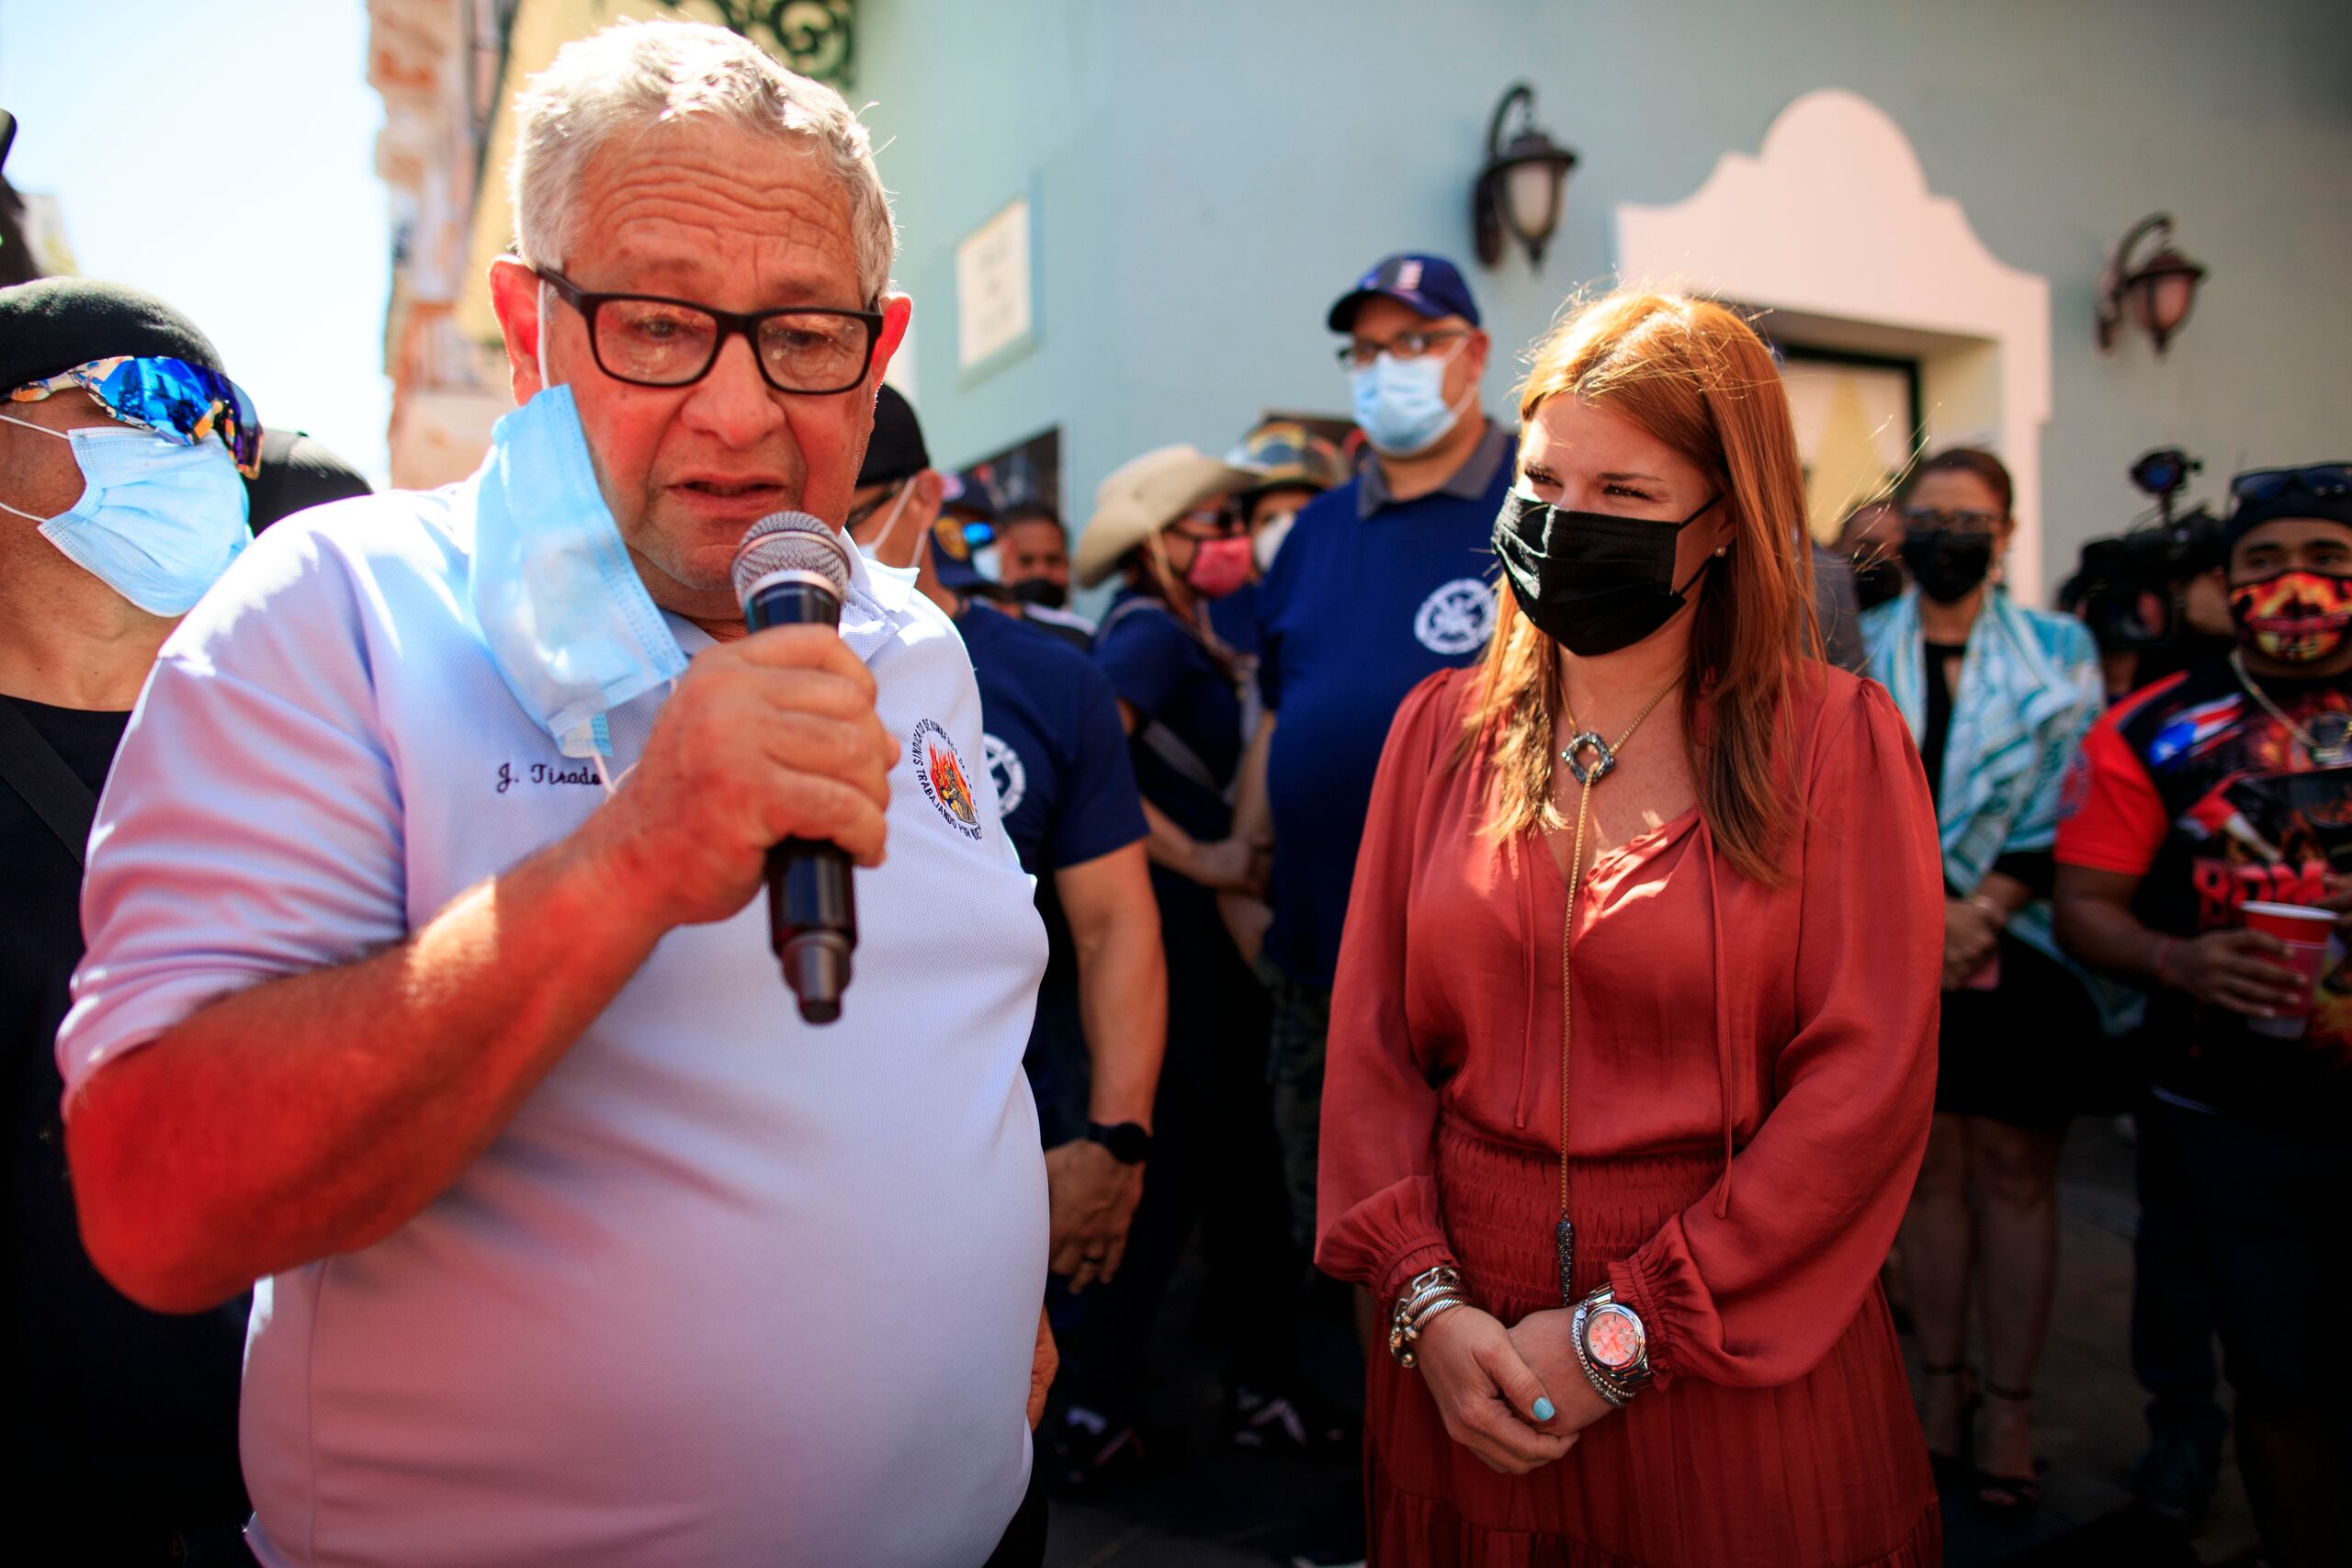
(1752, 1079)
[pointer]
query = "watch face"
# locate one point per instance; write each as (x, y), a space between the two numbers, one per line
(1612, 1336)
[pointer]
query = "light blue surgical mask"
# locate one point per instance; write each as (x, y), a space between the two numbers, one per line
(1400, 403)
(556, 597)
(158, 522)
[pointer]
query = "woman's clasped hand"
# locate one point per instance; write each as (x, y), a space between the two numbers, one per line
(1514, 1398)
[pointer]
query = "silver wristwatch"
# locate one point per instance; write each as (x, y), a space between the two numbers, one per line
(1611, 1345)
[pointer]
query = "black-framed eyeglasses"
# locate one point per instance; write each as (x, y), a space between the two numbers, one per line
(1959, 519)
(650, 341)
(1207, 523)
(1357, 353)
(2269, 484)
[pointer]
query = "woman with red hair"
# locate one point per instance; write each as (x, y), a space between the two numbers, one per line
(1633, 1041)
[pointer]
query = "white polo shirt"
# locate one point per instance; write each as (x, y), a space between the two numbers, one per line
(728, 1289)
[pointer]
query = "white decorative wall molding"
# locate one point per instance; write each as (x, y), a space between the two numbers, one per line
(1830, 226)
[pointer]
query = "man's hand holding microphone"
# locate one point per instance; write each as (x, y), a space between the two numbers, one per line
(769, 737)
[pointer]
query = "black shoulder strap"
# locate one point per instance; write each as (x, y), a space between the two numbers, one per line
(31, 766)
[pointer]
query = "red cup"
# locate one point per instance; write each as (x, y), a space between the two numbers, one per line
(2306, 932)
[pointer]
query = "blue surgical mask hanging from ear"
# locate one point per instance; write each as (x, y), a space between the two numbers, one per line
(157, 522)
(556, 597)
(1400, 403)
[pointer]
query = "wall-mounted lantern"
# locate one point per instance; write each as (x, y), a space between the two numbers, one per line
(2156, 295)
(1520, 187)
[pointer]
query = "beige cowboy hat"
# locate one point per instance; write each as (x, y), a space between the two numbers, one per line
(1145, 496)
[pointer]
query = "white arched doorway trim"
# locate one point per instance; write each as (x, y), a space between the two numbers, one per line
(1832, 229)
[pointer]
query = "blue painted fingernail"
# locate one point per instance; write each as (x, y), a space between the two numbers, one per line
(1542, 1409)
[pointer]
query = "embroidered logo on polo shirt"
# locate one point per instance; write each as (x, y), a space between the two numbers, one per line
(1457, 618)
(1005, 767)
(940, 772)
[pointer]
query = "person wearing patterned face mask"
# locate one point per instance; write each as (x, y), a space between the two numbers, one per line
(121, 445)
(2201, 796)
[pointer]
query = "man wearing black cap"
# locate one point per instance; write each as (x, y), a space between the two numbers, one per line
(2209, 804)
(1059, 755)
(1381, 583)
(124, 1422)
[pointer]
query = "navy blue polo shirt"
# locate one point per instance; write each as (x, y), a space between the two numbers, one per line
(1234, 618)
(1163, 671)
(1366, 598)
(1055, 744)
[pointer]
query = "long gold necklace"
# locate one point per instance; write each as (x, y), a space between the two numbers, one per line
(1588, 774)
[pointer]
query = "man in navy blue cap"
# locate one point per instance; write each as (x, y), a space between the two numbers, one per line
(1383, 580)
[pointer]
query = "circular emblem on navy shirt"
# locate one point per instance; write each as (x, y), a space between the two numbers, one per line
(1005, 767)
(940, 771)
(1456, 618)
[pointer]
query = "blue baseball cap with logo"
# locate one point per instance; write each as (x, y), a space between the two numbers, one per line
(967, 493)
(1430, 287)
(967, 522)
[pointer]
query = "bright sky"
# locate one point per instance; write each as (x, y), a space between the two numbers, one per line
(222, 155)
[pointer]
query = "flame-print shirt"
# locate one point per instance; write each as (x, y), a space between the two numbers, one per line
(2196, 788)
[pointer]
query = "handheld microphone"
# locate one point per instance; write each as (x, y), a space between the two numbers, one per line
(792, 569)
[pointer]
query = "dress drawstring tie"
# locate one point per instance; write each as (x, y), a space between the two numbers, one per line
(1723, 1009)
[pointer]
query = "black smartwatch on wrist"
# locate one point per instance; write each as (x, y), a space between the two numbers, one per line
(1128, 1143)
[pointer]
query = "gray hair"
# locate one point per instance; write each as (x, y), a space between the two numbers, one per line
(634, 76)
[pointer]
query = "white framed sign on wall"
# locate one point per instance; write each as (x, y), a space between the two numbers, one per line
(995, 291)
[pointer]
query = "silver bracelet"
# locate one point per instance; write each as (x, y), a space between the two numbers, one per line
(1404, 1333)
(1424, 1296)
(1410, 1305)
(1435, 1308)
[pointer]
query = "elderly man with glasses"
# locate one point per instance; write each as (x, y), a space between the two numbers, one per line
(428, 982)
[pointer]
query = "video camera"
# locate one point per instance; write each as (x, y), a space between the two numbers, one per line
(2126, 589)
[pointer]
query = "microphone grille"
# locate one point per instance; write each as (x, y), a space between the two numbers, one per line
(790, 541)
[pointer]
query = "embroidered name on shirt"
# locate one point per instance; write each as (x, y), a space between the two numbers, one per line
(940, 774)
(545, 774)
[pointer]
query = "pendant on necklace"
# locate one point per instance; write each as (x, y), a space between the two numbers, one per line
(2338, 751)
(1604, 758)
(1565, 1239)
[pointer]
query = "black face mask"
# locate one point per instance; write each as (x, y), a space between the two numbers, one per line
(1878, 582)
(1591, 581)
(1041, 591)
(1947, 564)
